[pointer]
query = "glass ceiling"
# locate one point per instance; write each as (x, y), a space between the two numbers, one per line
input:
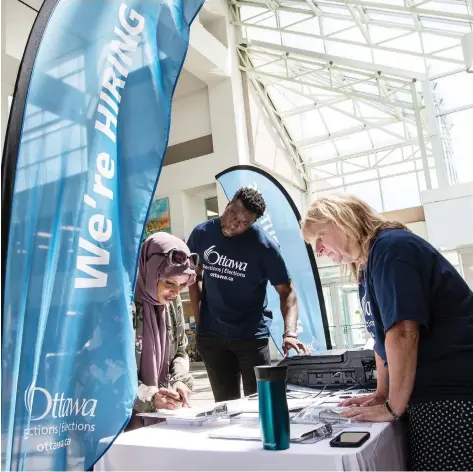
(349, 83)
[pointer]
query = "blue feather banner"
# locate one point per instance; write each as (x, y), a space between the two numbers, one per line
(86, 140)
(281, 222)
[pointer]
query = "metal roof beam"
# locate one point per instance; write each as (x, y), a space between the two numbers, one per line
(353, 63)
(370, 45)
(364, 96)
(334, 187)
(322, 65)
(316, 105)
(276, 120)
(386, 24)
(343, 133)
(388, 108)
(405, 9)
(365, 152)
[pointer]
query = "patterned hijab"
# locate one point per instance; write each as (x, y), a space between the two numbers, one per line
(153, 266)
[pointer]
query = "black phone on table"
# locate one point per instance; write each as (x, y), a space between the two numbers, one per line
(350, 439)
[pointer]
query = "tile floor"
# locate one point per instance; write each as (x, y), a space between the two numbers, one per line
(202, 395)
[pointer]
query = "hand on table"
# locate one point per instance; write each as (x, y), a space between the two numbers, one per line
(294, 343)
(375, 414)
(184, 392)
(365, 400)
(167, 399)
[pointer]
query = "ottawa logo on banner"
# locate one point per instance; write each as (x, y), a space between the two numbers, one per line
(57, 405)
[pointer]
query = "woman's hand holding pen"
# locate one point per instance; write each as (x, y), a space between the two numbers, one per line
(168, 399)
(184, 392)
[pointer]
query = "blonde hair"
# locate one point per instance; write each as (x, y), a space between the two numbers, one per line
(354, 217)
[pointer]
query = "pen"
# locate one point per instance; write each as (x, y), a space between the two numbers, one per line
(184, 400)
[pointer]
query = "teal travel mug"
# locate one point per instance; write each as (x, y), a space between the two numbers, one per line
(273, 410)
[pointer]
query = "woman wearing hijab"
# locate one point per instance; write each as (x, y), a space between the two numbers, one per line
(166, 267)
(419, 310)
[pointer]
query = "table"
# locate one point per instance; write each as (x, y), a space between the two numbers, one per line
(172, 447)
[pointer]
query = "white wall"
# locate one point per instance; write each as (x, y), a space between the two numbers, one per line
(187, 208)
(217, 28)
(182, 182)
(467, 265)
(227, 118)
(190, 117)
(176, 214)
(13, 40)
(194, 211)
(18, 22)
(220, 110)
(419, 228)
(9, 71)
(187, 184)
(268, 152)
(449, 215)
(189, 174)
(298, 196)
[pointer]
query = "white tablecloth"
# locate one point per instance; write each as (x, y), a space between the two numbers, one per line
(171, 447)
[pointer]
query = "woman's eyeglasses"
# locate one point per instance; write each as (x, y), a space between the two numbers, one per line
(180, 258)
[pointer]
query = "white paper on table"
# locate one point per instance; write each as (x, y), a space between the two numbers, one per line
(300, 388)
(252, 432)
(183, 416)
(182, 413)
(292, 404)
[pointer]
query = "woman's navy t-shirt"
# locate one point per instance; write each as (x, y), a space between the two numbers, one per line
(407, 279)
(236, 275)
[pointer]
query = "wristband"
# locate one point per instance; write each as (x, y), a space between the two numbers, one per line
(289, 334)
(391, 411)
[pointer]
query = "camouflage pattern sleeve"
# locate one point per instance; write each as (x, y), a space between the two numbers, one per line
(179, 362)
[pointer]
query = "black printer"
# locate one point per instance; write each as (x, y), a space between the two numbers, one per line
(334, 369)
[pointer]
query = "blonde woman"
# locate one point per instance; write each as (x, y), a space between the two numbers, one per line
(419, 311)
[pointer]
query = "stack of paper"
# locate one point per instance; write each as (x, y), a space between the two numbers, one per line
(189, 416)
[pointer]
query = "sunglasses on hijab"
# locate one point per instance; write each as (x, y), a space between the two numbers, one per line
(179, 258)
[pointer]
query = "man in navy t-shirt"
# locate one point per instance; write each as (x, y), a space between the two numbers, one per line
(238, 259)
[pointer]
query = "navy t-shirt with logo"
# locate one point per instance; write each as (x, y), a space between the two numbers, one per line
(407, 279)
(236, 274)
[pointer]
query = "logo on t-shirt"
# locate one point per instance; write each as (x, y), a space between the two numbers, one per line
(221, 264)
(366, 306)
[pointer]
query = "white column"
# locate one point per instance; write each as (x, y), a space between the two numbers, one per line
(221, 199)
(6, 90)
(177, 215)
(4, 86)
(434, 133)
(466, 257)
(193, 211)
(227, 110)
(420, 135)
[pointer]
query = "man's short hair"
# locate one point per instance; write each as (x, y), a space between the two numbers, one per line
(252, 200)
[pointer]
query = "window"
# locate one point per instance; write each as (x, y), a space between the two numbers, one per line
(211, 208)
(360, 119)
(453, 95)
